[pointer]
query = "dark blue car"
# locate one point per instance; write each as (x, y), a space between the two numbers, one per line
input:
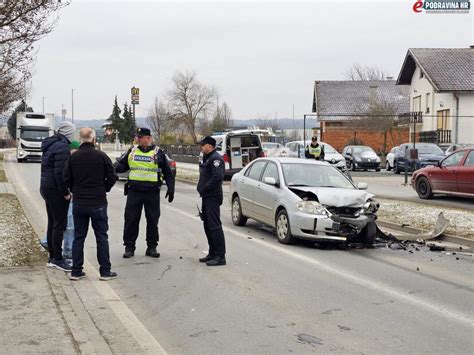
(429, 154)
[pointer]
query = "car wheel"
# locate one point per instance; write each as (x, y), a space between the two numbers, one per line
(368, 233)
(283, 231)
(377, 169)
(388, 168)
(237, 217)
(20, 160)
(396, 170)
(423, 188)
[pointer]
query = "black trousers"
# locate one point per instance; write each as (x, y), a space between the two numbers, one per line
(133, 212)
(99, 219)
(213, 226)
(56, 208)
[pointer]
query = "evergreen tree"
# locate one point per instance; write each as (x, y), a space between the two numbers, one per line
(22, 107)
(129, 124)
(115, 122)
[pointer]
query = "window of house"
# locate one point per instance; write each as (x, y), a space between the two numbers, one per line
(443, 120)
(428, 103)
(417, 103)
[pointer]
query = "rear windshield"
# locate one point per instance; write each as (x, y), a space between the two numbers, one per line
(426, 148)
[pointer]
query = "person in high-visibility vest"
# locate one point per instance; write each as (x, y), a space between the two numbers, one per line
(148, 166)
(314, 150)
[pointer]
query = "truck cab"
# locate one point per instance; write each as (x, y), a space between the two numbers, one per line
(32, 128)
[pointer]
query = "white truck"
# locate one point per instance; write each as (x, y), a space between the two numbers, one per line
(31, 129)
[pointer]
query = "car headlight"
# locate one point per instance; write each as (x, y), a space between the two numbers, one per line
(311, 207)
(377, 159)
(357, 159)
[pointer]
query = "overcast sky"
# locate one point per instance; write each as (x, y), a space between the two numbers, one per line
(263, 57)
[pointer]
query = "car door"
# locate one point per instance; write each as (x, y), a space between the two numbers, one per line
(466, 174)
(266, 195)
(444, 177)
(248, 185)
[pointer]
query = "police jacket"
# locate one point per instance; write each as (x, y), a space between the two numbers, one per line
(163, 165)
(310, 156)
(55, 153)
(89, 174)
(211, 175)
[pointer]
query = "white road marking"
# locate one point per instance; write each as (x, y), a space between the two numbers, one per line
(346, 274)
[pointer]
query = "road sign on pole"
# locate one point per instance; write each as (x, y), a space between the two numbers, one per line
(135, 95)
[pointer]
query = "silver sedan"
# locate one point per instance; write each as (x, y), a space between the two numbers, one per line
(303, 199)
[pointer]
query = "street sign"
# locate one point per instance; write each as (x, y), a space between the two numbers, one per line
(135, 95)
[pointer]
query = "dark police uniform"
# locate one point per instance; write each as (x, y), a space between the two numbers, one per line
(147, 168)
(211, 176)
(314, 151)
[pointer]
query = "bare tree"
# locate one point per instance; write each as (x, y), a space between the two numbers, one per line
(159, 119)
(265, 122)
(222, 119)
(363, 72)
(190, 101)
(22, 24)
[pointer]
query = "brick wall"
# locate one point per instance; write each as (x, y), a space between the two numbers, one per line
(338, 135)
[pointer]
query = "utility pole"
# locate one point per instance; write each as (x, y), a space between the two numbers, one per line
(43, 104)
(72, 105)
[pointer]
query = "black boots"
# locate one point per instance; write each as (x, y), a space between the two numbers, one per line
(216, 261)
(206, 258)
(152, 252)
(128, 254)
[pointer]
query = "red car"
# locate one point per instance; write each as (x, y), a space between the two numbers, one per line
(454, 175)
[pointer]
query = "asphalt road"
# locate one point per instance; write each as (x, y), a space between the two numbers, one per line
(272, 298)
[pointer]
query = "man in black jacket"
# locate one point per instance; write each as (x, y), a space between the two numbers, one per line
(89, 174)
(55, 192)
(148, 165)
(211, 176)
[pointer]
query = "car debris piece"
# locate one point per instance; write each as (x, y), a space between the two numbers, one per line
(434, 247)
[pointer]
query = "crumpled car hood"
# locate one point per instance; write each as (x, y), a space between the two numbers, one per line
(337, 197)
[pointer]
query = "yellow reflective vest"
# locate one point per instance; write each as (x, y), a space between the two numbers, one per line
(314, 151)
(144, 166)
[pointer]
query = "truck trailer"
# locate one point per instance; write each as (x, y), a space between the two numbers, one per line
(31, 129)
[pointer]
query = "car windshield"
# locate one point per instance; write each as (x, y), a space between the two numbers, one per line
(360, 150)
(427, 149)
(314, 175)
(328, 149)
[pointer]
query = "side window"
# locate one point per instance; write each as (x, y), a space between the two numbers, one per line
(256, 170)
(271, 171)
(470, 159)
(454, 159)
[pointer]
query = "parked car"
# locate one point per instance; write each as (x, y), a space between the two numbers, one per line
(390, 157)
(454, 147)
(238, 148)
(331, 155)
(361, 157)
(272, 149)
(305, 199)
(429, 154)
(124, 176)
(454, 175)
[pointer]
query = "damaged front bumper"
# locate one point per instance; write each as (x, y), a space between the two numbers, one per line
(329, 227)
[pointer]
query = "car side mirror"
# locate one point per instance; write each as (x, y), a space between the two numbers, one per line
(362, 185)
(270, 181)
(349, 154)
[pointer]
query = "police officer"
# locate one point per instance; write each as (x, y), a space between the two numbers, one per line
(211, 176)
(314, 150)
(148, 165)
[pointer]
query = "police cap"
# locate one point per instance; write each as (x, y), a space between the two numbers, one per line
(142, 131)
(208, 140)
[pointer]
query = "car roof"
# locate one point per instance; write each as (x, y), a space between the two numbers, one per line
(286, 160)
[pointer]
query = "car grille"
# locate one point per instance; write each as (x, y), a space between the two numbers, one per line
(345, 211)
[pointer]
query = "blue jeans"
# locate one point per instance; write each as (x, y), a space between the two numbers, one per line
(98, 217)
(68, 236)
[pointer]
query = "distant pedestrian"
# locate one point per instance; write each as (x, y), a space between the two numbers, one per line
(89, 174)
(148, 167)
(314, 150)
(211, 177)
(54, 192)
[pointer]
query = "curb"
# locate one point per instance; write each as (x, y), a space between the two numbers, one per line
(443, 237)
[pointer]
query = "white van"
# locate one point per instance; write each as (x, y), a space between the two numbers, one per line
(238, 148)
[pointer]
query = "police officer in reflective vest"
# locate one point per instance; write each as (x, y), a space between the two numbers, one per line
(148, 166)
(314, 150)
(211, 176)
